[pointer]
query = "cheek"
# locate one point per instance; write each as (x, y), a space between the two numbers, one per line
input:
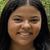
(36, 29)
(13, 28)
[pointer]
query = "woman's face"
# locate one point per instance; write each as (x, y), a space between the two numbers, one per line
(24, 24)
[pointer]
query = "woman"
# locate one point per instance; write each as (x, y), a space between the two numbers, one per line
(23, 26)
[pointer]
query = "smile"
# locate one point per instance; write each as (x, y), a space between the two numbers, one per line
(25, 34)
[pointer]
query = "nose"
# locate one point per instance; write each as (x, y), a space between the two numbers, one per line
(26, 25)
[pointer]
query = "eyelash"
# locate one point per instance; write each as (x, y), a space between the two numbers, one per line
(18, 20)
(32, 20)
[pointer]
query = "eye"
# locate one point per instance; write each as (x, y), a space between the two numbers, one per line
(18, 20)
(34, 20)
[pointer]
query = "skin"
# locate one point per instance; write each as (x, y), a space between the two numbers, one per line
(24, 25)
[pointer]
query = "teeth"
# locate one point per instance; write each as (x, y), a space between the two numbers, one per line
(23, 33)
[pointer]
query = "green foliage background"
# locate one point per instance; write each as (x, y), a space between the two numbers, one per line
(46, 4)
(2, 4)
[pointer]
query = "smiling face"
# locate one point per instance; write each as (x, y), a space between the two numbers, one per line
(24, 24)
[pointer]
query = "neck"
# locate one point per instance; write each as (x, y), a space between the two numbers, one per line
(16, 46)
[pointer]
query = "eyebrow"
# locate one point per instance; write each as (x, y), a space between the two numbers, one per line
(34, 17)
(30, 17)
(17, 16)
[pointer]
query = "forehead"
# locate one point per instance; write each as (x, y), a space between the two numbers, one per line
(26, 10)
(27, 7)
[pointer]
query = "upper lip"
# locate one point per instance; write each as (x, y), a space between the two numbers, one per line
(25, 32)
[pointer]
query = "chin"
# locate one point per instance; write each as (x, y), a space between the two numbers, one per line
(23, 42)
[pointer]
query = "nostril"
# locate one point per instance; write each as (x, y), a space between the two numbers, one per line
(26, 28)
(26, 25)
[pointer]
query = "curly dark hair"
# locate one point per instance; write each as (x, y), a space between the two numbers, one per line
(10, 7)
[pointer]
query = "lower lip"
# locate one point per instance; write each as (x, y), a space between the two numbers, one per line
(24, 37)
